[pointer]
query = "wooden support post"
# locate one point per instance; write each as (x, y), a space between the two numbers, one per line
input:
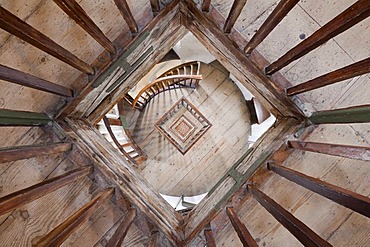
(355, 114)
(27, 195)
(302, 232)
(350, 17)
(353, 70)
(22, 30)
(235, 11)
(281, 10)
(58, 235)
(26, 152)
(27, 80)
(205, 5)
(154, 239)
(127, 15)
(155, 6)
(210, 241)
(243, 233)
(349, 199)
(120, 234)
(346, 151)
(23, 118)
(76, 13)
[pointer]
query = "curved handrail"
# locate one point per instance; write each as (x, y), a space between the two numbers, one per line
(175, 79)
(182, 66)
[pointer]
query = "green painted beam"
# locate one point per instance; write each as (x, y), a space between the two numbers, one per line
(23, 118)
(355, 114)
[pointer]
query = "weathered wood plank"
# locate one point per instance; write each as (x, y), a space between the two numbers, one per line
(76, 12)
(302, 232)
(27, 80)
(355, 114)
(281, 10)
(26, 152)
(242, 231)
(348, 18)
(346, 151)
(23, 118)
(22, 30)
(127, 15)
(205, 5)
(349, 199)
(348, 72)
(120, 234)
(22, 197)
(235, 11)
(58, 235)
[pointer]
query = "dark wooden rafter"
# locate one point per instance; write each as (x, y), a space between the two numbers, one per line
(155, 6)
(354, 114)
(154, 240)
(120, 233)
(350, 17)
(205, 5)
(346, 151)
(23, 118)
(242, 231)
(346, 198)
(26, 152)
(22, 30)
(210, 240)
(27, 80)
(302, 232)
(348, 72)
(59, 234)
(27, 195)
(127, 15)
(281, 10)
(76, 13)
(235, 11)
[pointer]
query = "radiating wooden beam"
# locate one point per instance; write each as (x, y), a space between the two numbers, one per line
(76, 13)
(27, 80)
(235, 11)
(26, 152)
(350, 17)
(205, 5)
(210, 240)
(353, 70)
(23, 118)
(155, 6)
(242, 231)
(349, 199)
(27, 195)
(281, 10)
(127, 15)
(22, 30)
(355, 114)
(154, 239)
(346, 151)
(59, 234)
(302, 232)
(120, 233)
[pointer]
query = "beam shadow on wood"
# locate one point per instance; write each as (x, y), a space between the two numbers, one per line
(302, 232)
(27, 195)
(59, 234)
(346, 198)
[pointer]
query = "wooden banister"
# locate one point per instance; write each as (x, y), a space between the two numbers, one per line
(281, 10)
(350, 17)
(302, 232)
(353, 70)
(76, 13)
(58, 235)
(346, 198)
(235, 11)
(346, 151)
(26, 152)
(27, 80)
(127, 15)
(27, 195)
(22, 30)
